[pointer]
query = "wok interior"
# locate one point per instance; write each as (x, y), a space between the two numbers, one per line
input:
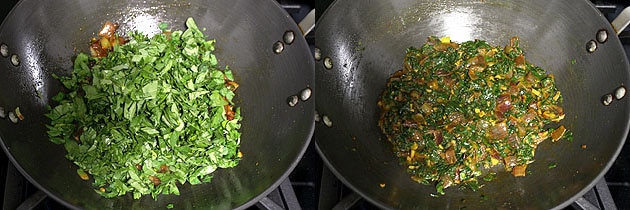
(369, 45)
(48, 35)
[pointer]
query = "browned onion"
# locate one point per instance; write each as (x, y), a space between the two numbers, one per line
(108, 30)
(509, 161)
(519, 61)
(437, 135)
(529, 116)
(449, 155)
(498, 131)
(504, 103)
(519, 170)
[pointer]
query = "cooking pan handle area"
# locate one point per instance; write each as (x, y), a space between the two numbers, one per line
(308, 23)
(621, 21)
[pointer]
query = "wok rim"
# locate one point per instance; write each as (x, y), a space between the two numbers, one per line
(382, 205)
(345, 181)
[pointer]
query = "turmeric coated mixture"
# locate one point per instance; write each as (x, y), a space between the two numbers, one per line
(457, 109)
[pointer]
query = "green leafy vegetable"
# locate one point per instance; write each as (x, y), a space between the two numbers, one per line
(455, 110)
(154, 113)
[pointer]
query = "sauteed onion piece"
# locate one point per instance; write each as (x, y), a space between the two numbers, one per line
(107, 41)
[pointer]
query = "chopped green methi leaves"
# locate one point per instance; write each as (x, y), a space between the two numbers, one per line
(154, 113)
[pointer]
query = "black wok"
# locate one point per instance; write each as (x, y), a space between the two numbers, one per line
(365, 41)
(46, 35)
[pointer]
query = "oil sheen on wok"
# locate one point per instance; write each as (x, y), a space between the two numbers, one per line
(456, 110)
